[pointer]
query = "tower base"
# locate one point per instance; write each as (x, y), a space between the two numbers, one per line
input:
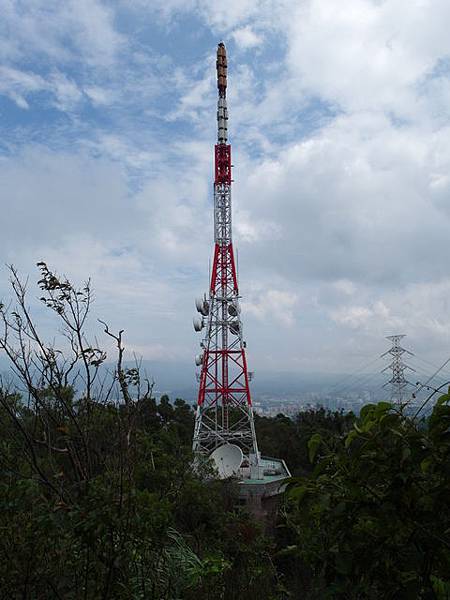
(260, 491)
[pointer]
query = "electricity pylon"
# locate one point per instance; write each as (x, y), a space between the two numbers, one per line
(398, 383)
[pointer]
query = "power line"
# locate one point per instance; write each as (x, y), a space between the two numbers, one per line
(360, 381)
(425, 385)
(339, 384)
(445, 372)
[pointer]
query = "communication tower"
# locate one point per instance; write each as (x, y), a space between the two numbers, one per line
(224, 424)
(224, 406)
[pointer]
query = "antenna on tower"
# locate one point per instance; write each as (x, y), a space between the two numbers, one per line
(398, 383)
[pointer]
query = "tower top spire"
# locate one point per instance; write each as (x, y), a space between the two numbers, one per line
(221, 66)
(222, 110)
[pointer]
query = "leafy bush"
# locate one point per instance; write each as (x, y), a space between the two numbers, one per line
(373, 520)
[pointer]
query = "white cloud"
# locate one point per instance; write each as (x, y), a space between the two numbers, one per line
(246, 38)
(98, 95)
(74, 30)
(345, 286)
(353, 202)
(272, 306)
(77, 214)
(67, 94)
(18, 84)
(368, 56)
(339, 125)
(362, 316)
(250, 228)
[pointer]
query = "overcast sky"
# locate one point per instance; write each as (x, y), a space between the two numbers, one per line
(340, 127)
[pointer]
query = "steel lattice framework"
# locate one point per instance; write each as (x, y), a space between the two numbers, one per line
(398, 382)
(224, 406)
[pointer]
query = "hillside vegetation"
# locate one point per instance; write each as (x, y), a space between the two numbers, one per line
(98, 498)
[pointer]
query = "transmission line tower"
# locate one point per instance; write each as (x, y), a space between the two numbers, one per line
(398, 383)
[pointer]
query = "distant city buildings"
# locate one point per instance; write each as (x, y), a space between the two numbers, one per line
(267, 405)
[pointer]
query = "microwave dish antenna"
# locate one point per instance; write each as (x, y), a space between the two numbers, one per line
(227, 459)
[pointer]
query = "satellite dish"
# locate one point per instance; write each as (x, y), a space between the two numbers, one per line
(199, 359)
(202, 305)
(233, 309)
(198, 324)
(227, 459)
(235, 327)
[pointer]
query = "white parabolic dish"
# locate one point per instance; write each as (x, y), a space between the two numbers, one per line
(227, 459)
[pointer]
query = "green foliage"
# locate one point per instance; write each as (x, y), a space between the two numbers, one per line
(372, 521)
(98, 497)
(289, 438)
(151, 530)
(99, 500)
(313, 446)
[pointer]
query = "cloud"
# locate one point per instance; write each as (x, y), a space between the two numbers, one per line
(62, 56)
(143, 251)
(18, 84)
(360, 316)
(354, 202)
(246, 38)
(272, 306)
(67, 94)
(98, 95)
(79, 30)
(339, 124)
(370, 56)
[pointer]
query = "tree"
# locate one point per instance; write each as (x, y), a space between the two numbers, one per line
(288, 438)
(72, 451)
(372, 521)
(98, 498)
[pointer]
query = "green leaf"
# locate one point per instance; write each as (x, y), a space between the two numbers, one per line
(350, 437)
(383, 407)
(288, 551)
(313, 446)
(406, 453)
(344, 563)
(366, 410)
(388, 420)
(426, 464)
(443, 399)
(297, 493)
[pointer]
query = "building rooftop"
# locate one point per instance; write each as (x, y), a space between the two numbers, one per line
(269, 471)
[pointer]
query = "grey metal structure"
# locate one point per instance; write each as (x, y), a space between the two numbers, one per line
(398, 383)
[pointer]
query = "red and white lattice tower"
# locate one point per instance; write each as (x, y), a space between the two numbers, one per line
(224, 407)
